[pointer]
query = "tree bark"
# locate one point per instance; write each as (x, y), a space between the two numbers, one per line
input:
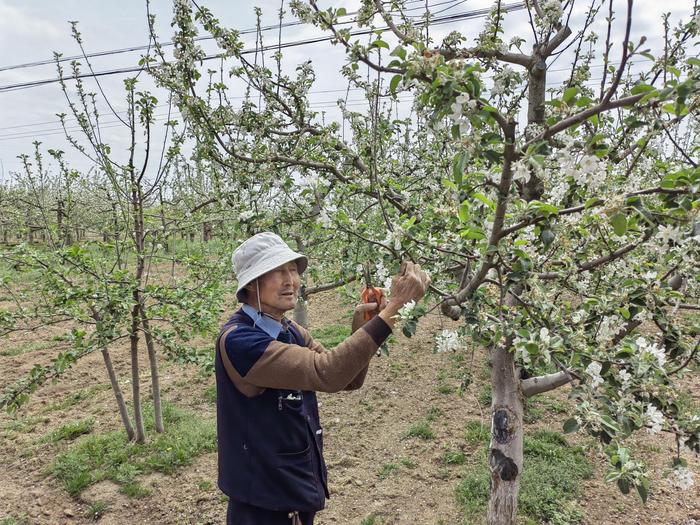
(506, 448)
(301, 313)
(118, 395)
(155, 378)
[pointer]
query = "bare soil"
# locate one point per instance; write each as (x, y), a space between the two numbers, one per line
(373, 467)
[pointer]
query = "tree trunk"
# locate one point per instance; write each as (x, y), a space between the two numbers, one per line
(506, 448)
(135, 379)
(155, 381)
(118, 394)
(206, 231)
(301, 313)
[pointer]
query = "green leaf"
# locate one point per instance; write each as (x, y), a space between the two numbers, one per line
(399, 52)
(483, 198)
(619, 224)
(458, 165)
(570, 425)
(643, 490)
(380, 43)
(624, 485)
(341, 11)
(570, 93)
(641, 88)
(394, 83)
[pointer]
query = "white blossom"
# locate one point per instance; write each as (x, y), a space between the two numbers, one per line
(447, 341)
(521, 172)
(652, 350)
(552, 11)
(593, 370)
(668, 233)
(244, 216)
(406, 311)
(578, 316)
(655, 419)
(624, 376)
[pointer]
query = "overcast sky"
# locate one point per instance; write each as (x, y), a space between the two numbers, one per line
(31, 30)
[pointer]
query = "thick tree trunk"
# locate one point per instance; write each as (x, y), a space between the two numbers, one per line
(506, 449)
(118, 395)
(155, 381)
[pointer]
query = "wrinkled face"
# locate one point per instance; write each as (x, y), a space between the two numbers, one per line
(279, 290)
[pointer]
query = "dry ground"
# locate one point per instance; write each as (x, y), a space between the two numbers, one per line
(363, 432)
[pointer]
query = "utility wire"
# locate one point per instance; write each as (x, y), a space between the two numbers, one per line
(436, 21)
(198, 39)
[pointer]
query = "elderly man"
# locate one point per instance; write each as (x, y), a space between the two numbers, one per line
(268, 369)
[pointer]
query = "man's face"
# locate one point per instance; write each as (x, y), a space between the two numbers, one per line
(279, 289)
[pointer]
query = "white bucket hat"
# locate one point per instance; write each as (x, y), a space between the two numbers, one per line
(260, 254)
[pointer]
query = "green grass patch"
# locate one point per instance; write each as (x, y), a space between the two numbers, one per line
(96, 510)
(75, 398)
(26, 348)
(387, 469)
(484, 396)
(408, 463)
(332, 335)
(111, 457)
(420, 430)
(370, 519)
(452, 457)
(210, 394)
(12, 520)
(553, 471)
(433, 413)
(69, 431)
(476, 433)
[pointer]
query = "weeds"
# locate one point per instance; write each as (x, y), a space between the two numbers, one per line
(548, 486)
(420, 430)
(111, 457)
(69, 431)
(332, 335)
(96, 510)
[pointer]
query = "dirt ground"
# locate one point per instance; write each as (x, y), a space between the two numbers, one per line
(363, 434)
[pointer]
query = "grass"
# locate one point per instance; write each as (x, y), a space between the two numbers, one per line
(420, 430)
(111, 457)
(370, 519)
(551, 480)
(96, 510)
(332, 335)
(210, 394)
(484, 396)
(450, 457)
(476, 433)
(27, 347)
(387, 470)
(11, 520)
(69, 431)
(75, 398)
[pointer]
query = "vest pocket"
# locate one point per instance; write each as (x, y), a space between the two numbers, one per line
(291, 458)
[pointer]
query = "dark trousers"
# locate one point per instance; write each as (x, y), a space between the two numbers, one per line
(243, 514)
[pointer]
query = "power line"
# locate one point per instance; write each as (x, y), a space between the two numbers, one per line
(144, 47)
(436, 21)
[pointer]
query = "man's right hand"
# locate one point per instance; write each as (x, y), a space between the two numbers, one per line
(410, 284)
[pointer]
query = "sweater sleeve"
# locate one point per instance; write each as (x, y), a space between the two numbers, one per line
(297, 367)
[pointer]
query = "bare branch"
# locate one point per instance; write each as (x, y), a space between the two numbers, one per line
(546, 383)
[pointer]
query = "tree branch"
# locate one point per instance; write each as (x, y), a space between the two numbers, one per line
(540, 384)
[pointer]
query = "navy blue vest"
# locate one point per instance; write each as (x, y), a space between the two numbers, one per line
(271, 445)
